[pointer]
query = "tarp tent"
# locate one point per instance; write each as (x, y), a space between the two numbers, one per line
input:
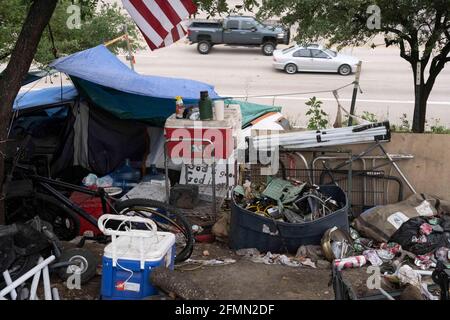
(109, 84)
(114, 110)
(43, 97)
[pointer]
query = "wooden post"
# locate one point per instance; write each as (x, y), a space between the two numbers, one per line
(355, 93)
(130, 54)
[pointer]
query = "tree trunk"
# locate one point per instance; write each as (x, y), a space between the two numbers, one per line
(21, 58)
(178, 284)
(420, 111)
(422, 92)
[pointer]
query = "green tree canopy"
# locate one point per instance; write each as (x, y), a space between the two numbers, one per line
(100, 22)
(420, 28)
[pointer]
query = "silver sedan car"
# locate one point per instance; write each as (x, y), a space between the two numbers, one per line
(313, 58)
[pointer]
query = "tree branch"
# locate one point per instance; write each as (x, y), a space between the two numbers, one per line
(403, 51)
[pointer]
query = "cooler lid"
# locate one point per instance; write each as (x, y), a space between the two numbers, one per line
(129, 248)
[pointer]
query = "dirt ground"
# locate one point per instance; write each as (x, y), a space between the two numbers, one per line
(239, 281)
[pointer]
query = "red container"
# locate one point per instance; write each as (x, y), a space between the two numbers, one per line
(93, 206)
(220, 133)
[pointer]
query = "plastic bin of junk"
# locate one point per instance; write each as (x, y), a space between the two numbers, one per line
(284, 215)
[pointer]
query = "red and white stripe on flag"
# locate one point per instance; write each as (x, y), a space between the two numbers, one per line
(160, 20)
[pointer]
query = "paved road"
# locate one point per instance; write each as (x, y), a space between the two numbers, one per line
(386, 81)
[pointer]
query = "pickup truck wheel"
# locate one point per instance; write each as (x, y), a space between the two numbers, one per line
(204, 47)
(291, 68)
(268, 48)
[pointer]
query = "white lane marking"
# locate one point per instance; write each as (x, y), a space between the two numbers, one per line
(443, 103)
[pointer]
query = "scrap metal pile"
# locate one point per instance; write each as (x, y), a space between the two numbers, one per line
(288, 201)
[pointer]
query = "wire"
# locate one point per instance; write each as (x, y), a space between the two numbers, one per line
(128, 270)
(294, 94)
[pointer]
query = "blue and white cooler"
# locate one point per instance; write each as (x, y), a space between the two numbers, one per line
(132, 255)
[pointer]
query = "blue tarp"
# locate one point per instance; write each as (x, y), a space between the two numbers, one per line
(43, 97)
(98, 65)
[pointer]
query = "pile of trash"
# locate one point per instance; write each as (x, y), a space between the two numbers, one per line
(280, 259)
(409, 241)
(287, 201)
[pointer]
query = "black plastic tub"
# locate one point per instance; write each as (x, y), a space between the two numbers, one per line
(249, 230)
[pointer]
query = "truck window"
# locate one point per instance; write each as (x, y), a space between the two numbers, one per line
(302, 53)
(247, 25)
(232, 24)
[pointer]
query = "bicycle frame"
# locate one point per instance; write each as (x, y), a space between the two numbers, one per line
(50, 184)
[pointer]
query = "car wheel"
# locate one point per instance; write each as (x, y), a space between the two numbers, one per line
(268, 48)
(204, 47)
(291, 68)
(345, 70)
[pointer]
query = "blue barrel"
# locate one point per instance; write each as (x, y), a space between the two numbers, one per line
(250, 230)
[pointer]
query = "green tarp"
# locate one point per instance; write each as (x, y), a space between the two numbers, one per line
(252, 111)
(127, 106)
(135, 107)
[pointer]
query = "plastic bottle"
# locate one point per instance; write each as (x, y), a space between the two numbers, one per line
(219, 107)
(205, 106)
(179, 112)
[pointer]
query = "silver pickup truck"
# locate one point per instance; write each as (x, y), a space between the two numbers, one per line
(238, 31)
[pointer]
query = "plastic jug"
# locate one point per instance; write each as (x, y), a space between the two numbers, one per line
(126, 177)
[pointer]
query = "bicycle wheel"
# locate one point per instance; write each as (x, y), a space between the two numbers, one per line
(167, 218)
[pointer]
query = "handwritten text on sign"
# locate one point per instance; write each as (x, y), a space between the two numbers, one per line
(202, 174)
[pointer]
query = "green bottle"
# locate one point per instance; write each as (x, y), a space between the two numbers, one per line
(205, 106)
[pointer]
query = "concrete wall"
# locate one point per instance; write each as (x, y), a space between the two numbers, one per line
(428, 172)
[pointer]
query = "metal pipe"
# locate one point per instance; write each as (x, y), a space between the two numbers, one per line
(387, 295)
(166, 172)
(8, 281)
(47, 286)
(55, 294)
(35, 282)
(398, 169)
(26, 276)
(316, 138)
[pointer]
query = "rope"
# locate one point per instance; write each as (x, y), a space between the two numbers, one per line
(294, 94)
(336, 96)
(52, 39)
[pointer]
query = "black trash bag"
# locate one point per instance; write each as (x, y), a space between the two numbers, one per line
(411, 228)
(21, 240)
(28, 240)
(7, 253)
(445, 223)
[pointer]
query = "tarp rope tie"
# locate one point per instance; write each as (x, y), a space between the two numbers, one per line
(294, 93)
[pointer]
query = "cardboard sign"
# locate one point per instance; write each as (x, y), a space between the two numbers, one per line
(202, 174)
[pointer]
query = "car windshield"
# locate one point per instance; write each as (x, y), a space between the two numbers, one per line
(260, 24)
(331, 52)
(289, 49)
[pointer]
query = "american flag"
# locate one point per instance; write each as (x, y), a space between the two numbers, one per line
(160, 20)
